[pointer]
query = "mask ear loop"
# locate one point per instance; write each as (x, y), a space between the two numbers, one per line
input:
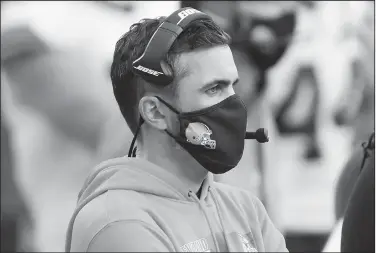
(168, 105)
(132, 151)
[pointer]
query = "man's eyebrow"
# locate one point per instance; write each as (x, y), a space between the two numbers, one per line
(218, 81)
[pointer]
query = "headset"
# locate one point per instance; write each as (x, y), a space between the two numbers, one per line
(149, 65)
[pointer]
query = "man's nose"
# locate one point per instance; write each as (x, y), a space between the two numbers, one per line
(230, 90)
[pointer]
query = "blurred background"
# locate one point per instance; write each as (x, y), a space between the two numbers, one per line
(307, 75)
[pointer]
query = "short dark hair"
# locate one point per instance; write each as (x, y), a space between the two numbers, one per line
(129, 88)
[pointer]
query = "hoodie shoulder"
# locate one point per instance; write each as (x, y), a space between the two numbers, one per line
(108, 208)
(119, 189)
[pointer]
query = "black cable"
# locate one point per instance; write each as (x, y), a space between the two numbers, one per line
(132, 151)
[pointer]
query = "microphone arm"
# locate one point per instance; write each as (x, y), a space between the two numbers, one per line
(261, 135)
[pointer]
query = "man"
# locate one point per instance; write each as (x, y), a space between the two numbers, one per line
(165, 200)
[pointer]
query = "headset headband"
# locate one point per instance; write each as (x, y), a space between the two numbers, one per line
(148, 66)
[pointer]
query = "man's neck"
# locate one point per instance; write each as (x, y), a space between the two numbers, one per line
(175, 160)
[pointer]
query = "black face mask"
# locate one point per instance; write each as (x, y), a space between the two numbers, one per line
(214, 136)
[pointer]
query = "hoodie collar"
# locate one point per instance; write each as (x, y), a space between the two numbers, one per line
(172, 179)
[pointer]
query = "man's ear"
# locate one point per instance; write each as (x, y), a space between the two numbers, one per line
(151, 111)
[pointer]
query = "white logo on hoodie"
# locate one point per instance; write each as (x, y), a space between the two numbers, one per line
(247, 246)
(200, 245)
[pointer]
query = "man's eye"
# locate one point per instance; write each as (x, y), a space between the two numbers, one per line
(213, 90)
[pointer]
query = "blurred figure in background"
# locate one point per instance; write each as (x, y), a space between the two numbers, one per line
(55, 125)
(306, 186)
(263, 31)
(356, 108)
(358, 230)
(16, 220)
(358, 111)
(344, 188)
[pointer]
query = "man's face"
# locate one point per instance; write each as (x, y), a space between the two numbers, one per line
(209, 78)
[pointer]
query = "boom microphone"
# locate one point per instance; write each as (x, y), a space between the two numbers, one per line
(261, 135)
